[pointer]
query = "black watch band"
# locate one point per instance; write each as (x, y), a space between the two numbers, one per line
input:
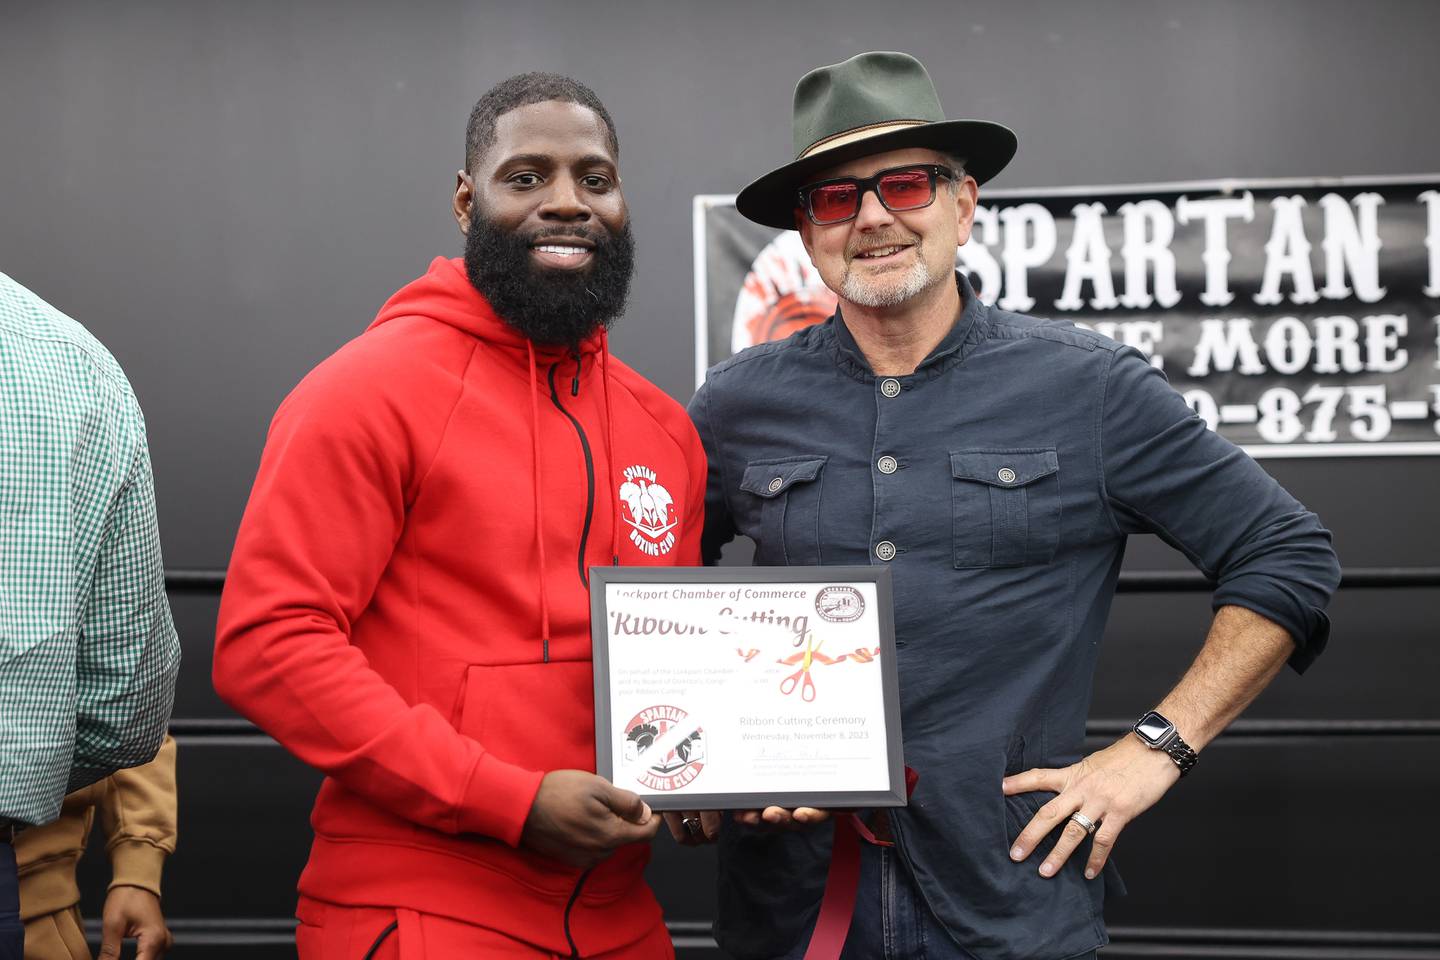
(1180, 751)
(1158, 733)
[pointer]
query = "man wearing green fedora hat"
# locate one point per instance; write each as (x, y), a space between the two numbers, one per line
(996, 463)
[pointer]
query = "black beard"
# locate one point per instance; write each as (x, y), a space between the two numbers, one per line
(549, 306)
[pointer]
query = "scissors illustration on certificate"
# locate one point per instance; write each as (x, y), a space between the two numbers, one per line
(802, 676)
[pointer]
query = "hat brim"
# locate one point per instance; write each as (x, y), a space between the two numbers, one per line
(984, 146)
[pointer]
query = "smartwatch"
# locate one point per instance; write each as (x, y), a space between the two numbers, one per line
(1157, 733)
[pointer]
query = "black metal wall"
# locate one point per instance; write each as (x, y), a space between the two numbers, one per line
(224, 193)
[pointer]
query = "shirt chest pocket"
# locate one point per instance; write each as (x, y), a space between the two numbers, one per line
(788, 493)
(1005, 506)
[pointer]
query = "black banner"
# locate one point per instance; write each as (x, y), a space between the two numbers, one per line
(1298, 318)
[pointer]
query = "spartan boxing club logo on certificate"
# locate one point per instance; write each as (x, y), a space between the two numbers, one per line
(729, 688)
(665, 747)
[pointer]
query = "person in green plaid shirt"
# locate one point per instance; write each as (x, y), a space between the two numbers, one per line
(88, 652)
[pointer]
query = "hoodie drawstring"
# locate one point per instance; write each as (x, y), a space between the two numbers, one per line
(610, 446)
(539, 502)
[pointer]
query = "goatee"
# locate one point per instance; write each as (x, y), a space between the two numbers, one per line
(552, 307)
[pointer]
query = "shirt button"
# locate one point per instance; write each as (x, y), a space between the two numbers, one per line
(779, 482)
(885, 550)
(890, 387)
(887, 464)
(1006, 475)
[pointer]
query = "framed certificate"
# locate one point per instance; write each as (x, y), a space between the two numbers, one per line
(741, 687)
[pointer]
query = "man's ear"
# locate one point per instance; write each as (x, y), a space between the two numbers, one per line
(967, 194)
(464, 198)
(802, 227)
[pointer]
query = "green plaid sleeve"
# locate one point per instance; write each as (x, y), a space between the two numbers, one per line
(88, 653)
(129, 654)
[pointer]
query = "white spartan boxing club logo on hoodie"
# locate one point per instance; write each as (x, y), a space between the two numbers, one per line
(649, 510)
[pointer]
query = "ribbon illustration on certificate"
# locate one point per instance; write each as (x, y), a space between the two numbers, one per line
(738, 686)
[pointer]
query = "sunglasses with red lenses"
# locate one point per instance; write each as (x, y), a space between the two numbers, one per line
(899, 188)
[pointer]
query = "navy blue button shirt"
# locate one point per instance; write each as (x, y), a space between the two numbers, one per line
(999, 483)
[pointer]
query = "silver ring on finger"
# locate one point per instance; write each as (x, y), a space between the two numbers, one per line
(693, 825)
(1085, 823)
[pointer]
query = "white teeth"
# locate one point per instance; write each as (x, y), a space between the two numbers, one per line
(881, 252)
(562, 251)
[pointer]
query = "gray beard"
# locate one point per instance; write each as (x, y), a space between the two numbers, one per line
(862, 293)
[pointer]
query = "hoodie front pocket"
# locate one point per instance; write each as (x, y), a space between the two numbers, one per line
(789, 493)
(540, 716)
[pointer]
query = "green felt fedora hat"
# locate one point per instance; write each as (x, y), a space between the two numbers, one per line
(871, 103)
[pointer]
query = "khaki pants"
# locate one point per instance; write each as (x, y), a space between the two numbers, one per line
(56, 936)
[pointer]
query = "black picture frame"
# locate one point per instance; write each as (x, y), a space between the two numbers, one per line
(602, 577)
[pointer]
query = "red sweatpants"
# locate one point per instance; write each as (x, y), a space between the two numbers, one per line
(330, 931)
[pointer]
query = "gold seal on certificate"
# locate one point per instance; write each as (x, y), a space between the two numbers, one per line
(742, 687)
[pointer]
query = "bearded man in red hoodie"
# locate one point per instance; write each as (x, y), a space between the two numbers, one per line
(407, 606)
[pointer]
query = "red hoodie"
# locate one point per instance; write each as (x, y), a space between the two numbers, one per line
(407, 607)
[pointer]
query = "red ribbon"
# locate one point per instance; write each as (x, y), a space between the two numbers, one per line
(841, 883)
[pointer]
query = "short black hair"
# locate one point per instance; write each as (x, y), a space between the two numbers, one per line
(523, 90)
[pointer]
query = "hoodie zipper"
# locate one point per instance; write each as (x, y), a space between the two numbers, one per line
(589, 468)
(574, 895)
